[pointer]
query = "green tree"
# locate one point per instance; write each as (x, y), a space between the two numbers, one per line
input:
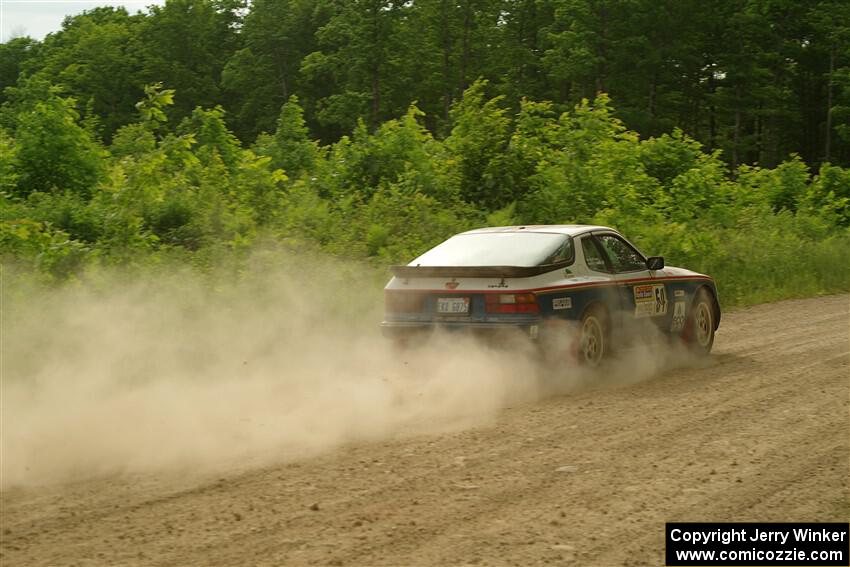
(356, 59)
(400, 150)
(213, 141)
(54, 153)
(8, 156)
(263, 73)
(831, 24)
(588, 162)
(829, 194)
(579, 55)
(477, 145)
(521, 31)
(292, 150)
(94, 58)
(452, 43)
(14, 55)
(185, 45)
(152, 107)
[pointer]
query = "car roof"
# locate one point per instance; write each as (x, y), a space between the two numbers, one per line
(569, 229)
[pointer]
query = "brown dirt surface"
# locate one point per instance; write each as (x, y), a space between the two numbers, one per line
(760, 431)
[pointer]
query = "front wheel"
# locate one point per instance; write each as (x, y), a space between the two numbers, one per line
(699, 330)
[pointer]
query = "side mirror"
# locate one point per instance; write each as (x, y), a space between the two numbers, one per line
(655, 263)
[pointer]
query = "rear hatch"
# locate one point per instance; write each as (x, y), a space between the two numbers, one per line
(476, 278)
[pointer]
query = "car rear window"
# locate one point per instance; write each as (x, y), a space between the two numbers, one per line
(521, 249)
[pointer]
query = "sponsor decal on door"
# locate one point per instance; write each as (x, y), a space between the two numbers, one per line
(678, 316)
(650, 300)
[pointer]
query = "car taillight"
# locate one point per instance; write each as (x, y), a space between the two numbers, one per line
(511, 303)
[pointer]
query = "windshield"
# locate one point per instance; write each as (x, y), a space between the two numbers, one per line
(521, 249)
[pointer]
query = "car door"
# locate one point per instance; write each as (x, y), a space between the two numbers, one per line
(597, 262)
(643, 297)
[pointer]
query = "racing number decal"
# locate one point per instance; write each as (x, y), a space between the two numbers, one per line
(660, 300)
(650, 300)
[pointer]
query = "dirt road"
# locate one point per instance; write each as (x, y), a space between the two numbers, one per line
(761, 432)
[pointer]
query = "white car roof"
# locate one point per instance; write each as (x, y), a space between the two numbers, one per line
(569, 229)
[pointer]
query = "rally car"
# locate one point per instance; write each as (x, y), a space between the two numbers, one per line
(535, 279)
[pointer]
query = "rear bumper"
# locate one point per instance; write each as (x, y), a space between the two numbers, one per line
(406, 329)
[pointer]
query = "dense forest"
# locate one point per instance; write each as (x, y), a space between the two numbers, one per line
(758, 79)
(715, 132)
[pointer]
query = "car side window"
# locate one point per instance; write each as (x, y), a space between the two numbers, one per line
(564, 253)
(623, 257)
(592, 256)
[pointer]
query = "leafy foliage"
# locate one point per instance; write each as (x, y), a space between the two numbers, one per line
(386, 195)
(53, 151)
(757, 79)
(152, 107)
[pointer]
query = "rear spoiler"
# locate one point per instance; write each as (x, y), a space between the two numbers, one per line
(474, 271)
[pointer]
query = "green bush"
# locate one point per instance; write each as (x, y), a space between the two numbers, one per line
(384, 196)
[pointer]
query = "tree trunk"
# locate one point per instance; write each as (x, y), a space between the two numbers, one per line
(376, 94)
(447, 59)
(467, 29)
(520, 39)
(712, 113)
(827, 142)
(653, 89)
(736, 135)
(759, 150)
(602, 50)
(281, 69)
(377, 56)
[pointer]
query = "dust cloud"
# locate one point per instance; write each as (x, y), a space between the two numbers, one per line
(182, 372)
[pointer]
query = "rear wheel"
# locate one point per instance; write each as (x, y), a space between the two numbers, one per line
(593, 338)
(699, 333)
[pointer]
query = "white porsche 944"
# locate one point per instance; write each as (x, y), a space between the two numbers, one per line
(533, 278)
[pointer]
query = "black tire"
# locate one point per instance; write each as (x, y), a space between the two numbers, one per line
(593, 341)
(699, 328)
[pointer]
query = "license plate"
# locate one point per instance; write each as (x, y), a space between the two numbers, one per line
(453, 305)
